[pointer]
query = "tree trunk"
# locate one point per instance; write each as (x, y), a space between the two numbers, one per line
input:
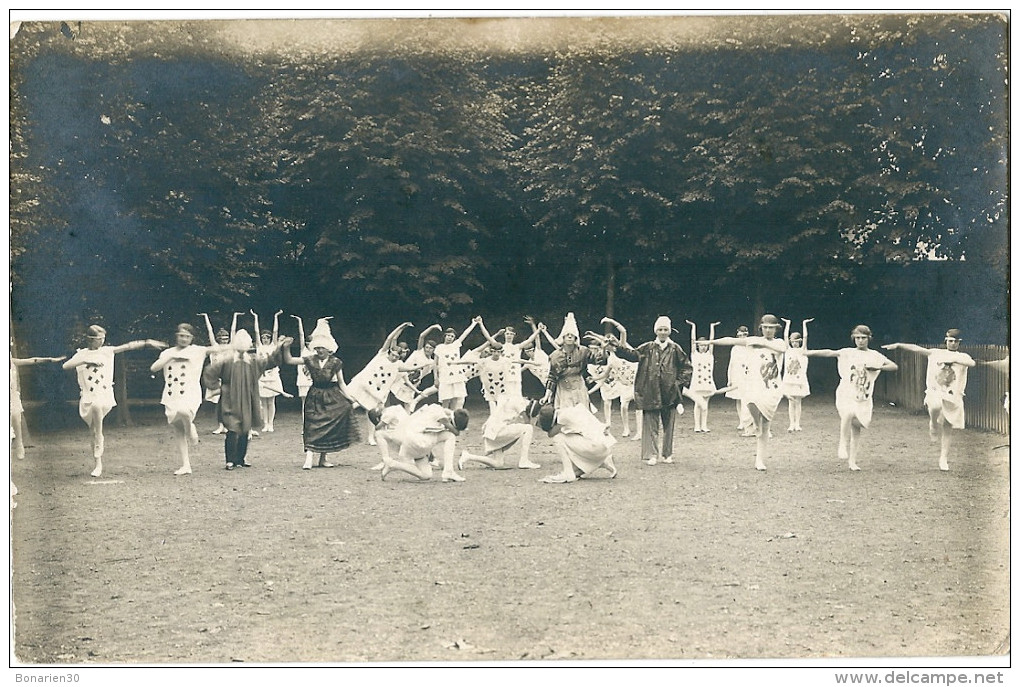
(759, 306)
(610, 287)
(120, 392)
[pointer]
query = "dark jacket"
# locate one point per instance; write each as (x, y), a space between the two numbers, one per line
(661, 373)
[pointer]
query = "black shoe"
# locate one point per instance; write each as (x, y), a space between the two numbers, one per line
(245, 464)
(230, 466)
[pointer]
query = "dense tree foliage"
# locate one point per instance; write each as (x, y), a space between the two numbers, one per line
(710, 169)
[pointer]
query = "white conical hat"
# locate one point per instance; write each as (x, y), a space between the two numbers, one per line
(569, 327)
(241, 341)
(322, 336)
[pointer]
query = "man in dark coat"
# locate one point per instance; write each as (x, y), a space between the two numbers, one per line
(663, 371)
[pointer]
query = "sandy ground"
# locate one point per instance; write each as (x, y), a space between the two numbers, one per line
(706, 558)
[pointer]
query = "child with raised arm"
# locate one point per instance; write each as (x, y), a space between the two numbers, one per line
(182, 391)
(945, 383)
(270, 384)
(303, 378)
(702, 387)
(620, 375)
(858, 367)
(450, 379)
(371, 387)
(535, 352)
(221, 338)
(17, 409)
(795, 382)
(94, 367)
(760, 392)
(736, 380)
(512, 352)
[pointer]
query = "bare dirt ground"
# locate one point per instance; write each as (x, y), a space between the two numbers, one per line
(706, 558)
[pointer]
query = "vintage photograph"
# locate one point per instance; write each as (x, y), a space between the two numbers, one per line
(517, 341)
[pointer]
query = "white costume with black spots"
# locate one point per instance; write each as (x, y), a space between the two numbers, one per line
(511, 352)
(372, 385)
(450, 378)
(182, 391)
(496, 379)
(703, 375)
(95, 379)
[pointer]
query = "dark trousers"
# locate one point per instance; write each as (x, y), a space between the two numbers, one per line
(650, 422)
(236, 447)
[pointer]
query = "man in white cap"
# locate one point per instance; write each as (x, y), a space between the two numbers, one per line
(664, 370)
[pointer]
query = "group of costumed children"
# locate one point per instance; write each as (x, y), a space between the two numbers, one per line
(412, 436)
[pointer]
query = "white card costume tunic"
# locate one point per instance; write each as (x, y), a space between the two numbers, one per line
(854, 395)
(372, 385)
(703, 375)
(762, 388)
(945, 382)
(737, 371)
(182, 390)
(450, 378)
(270, 384)
(95, 379)
(795, 381)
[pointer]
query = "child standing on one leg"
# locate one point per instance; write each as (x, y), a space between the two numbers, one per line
(94, 367)
(736, 380)
(17, 409)
(761, 394)
(795, 382)
(703, 379)
(945, 383)
(182, 391)
(858, 367)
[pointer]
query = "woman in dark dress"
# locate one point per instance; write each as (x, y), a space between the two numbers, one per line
(329, 424)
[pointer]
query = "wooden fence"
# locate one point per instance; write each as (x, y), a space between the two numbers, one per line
(986, 386)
